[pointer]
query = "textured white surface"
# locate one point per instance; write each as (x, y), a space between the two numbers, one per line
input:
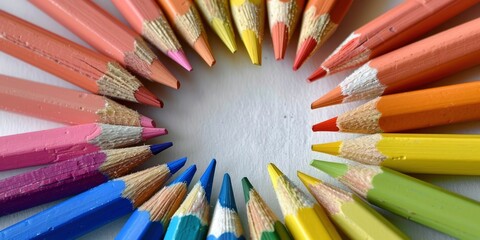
(243, 115)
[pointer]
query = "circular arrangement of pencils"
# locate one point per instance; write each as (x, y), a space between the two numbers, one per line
(94, 160)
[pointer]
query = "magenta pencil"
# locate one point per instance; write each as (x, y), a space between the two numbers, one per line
(70, 177)
(60, 144)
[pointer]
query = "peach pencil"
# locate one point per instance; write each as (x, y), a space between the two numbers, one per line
(60, 144)
(184, 17)
(64, 105)
(147, 19)
(109, 36)
(395, 28)
(410, 110)
(320, 20)
(283, 16)
(70, 61)
(419, 63)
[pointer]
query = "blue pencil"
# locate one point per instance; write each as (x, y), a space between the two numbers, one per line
(190, 221)
(150, 220)
(225, 222)
(95, 207)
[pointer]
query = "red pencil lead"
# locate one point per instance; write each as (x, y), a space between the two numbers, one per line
(319, 73)
(303, 52)
(143, 95)
(329, 125)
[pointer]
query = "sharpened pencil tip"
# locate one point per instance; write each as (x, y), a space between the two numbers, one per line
(225, 32)
(206, 180)
(253, 46)
(333, 169)
(176, 165)
(202, 47)
(280, 39)
(180, 58)
(148, 133)
(157, 148)
(332, 148)
(147, 122)
(247, 186)
(307, 180)
(162, 75)
(331, 98)
(185, 177)
(304, 51)
(226, 197)
(319, 73)
(274, 173)
(144, 96)
(329, 125)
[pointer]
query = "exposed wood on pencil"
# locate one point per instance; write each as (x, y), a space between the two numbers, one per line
(70, 61)
(217, 15)
(109, 36)
(184, 17)
(147, 19)
(249, 18)
(393, 29)
(320, 20)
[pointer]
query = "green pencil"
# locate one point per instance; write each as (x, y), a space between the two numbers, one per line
(409, 197)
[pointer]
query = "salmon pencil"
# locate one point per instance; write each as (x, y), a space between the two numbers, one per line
(283, 17)
(64, 105)
(70, 61)
(416, 64)
(410, 110)
(249, 18)
(217, 15)
(184, 17)
(71, 177)
(147, 19)
(60, 144)
(320, 20)
(109, 36)
(397, 27)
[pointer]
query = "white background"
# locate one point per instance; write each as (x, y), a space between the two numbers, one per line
(243, 115)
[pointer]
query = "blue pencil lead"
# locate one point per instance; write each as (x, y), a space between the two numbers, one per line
(157, 148)
(174, 166)
(226, 197)
(186, 176)
(206, 180)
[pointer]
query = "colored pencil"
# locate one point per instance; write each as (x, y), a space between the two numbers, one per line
(184, 17)
(350, 213)
(249, 18)
(283, 17)
(70, 61)
(217, 15)
(109, 36)
(395, 28)
(410, 110)
(60, 144)
(151, 219)
(71, 177)
(456, 154)
(95, 207)
(419, 63)
(64, 105)
(320, 20)
(147, 19)
(409, 197)
(190, 221)
(225, 222)
(303, 218)
(263, 223)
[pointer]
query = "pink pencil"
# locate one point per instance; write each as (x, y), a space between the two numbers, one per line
(60, 144)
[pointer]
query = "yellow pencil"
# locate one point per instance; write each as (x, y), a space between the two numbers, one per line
(303, 218)
(249, 17)
(352, 215)
(412, 153)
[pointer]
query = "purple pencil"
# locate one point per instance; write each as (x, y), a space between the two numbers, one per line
(70, 177)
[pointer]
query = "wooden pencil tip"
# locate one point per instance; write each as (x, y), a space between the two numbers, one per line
(333, 169)
(147, 122)
(226, 197)
(180, 58)
(206, 180)
(319, 73)
(329, 125)
(307, 180)
(331, 98)
(225, 32)
(332, 148)
(253, 46)
(280, 39)
(144, 96)
(305, 49)
(157, 148)
(148, 133)
(274, 173)
(247, 186)
(176, 165)
(162, 75)
(202, 47)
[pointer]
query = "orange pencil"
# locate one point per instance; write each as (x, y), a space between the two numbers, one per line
(184, 17)
(320, 20)
(283, 16)
(395, 28)
(419, 63)
(109, 36)
(65, 105)
(147, 19)
(410, 110)
(70, 61)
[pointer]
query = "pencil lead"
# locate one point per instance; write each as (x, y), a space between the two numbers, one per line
(206, 180)
(176, 165)
(147, 122)
(333, 169)
(319, 73)
(247, 186)
(307, 180)
(253, 47)
(157, 148)
(202, 47)
(328, 125)
(225, 32)
(143, 95)
(280, 40)
(331, 98)
(274, 173)
(148, 133)
(162, 75)
(332, 148)
(226, 197)
(180, 57)
(303, 52)
(186, 176)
